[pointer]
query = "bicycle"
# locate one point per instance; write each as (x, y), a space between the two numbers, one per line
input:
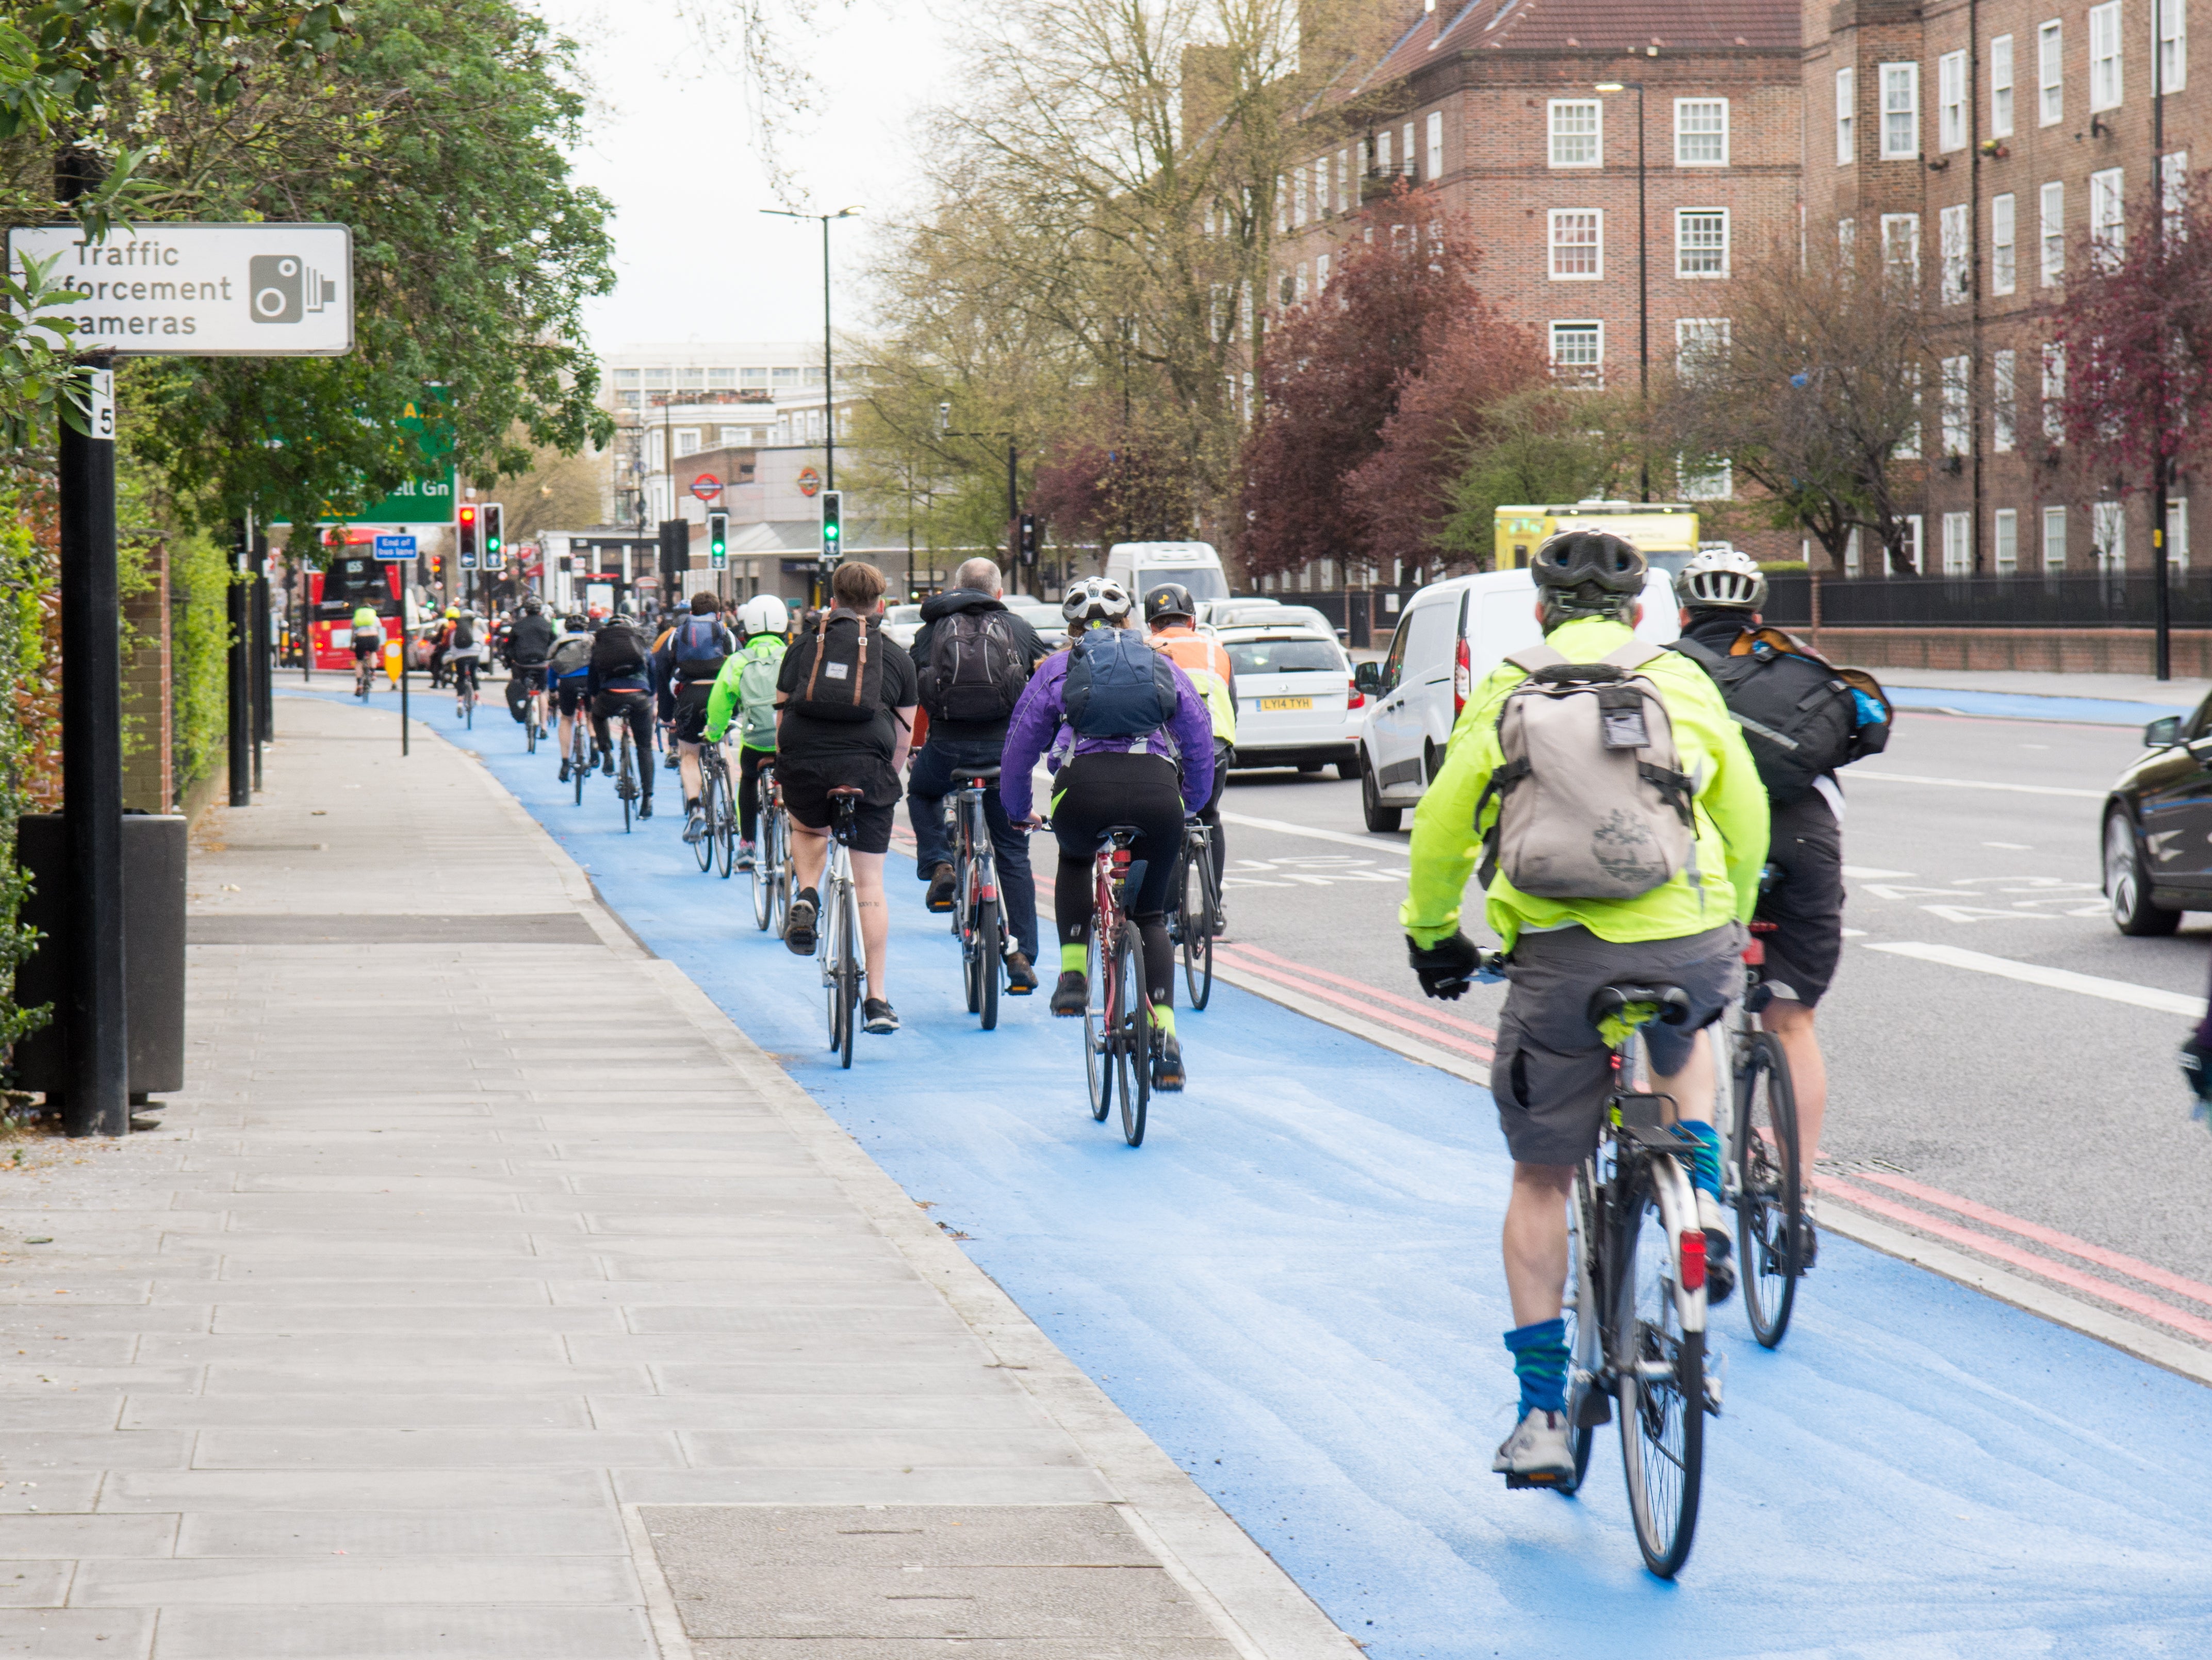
(364, 670)
(978, 915)
(534, 710)
(837, 925)
(580, 749)
(1635, 1303)
(1197, 915)
(772, 870)
(465, 692)
(717, 846)
(1117, 1024)
(626, 785)
(1760, 1162)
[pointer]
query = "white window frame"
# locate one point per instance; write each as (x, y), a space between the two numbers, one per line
(1297, 197)
(2054, 538)
(2054, 389)
(1696, 337)
(1916, 541)
(2001, 87)
(2177, 537)
(2173, 192)
(1346, 194)
(1436, 147)
(1320, 188)
(1714, 483)
(1555, 247)
(2049, 73)
(1908, 447)
(2004, 244)
(1406, 147)
(1951, 101)
(1846, 114)
(2105, 79)
(687, 441)
(1953, 230)
(1958, 543)
(1900, 247)
(1847, 239)
(1685, 136)
(2050, 263)
(1682, 251)
(1321, 275)
(1851, 552)
(2004, 400)
(2108, 226)
(1383, 164)
(2108, 535)
(1900, 111)
(2173, 45)
(1554, 137)
(2004, 541)
(1954, 410)
(1594, 375)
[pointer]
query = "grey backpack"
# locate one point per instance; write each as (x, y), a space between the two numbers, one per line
(1591, 801)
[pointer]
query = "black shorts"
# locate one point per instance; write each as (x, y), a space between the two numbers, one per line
(690, 722)
(1805, 902)
(367, 648)
(806, 784)
(568, 695)
(527, 678)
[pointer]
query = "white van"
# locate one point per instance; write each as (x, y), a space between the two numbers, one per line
(1450, 639)
(1141, 566)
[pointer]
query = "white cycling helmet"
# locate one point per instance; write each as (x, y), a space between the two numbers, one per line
(1721, 578)
(1095, 600)
(762, 614)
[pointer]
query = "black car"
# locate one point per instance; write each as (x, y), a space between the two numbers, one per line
(2157, 827)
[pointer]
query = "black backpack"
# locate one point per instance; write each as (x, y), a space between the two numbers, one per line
(1801, 715)
(976, 670)
(465, 634)
(617, 650)
(840, 669)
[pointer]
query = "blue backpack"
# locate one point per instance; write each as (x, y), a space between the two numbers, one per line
(700, 640)
(1117, 685)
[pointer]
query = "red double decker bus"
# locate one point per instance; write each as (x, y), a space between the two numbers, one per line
(353, 580)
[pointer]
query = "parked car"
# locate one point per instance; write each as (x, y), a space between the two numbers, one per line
(2156, 827)
(1043, 616)
(1274, 613)
(902, 623)
(1451, 636)
(1296, 703)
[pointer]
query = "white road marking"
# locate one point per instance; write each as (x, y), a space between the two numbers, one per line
(2034, 974)
(1978, 784)
(1284, 827)
(1875, 874)
(1854, 933)
(2010, 847)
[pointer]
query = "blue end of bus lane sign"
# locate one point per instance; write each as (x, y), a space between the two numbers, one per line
(395, 547)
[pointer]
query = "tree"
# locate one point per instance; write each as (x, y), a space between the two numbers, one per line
(1815, 395)
(1543, 443)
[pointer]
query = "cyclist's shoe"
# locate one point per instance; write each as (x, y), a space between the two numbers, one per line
(878, 1016)
(1220, 920)
(645, 808)
(1167, 1063)
(564, 770)
(694, 822)
(673, 762)
(1809, 1245)
(940, 897)
(798, 930)
(1072, 995)
(743, 859)
(607, 763)
(1538, 1453)
(1720, 1268)
(1021, 977)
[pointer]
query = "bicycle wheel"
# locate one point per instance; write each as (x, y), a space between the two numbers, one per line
(469, 708)
(580, 764)
(1133, 1046)
(768, 869)
(703, 848)
(1581, 1308)
(625, 779)
(849, 966)
(1659, 1384)
(530, 726)
(1770, 1206)
(1199, 904)
(1099, 1009)
(989, 946)
(967, 929)
(722, 822)
(833, 980)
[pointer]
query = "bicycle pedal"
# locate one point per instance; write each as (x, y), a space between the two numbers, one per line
(1716, 1384)
(1595, 1411)
(1549, 1483)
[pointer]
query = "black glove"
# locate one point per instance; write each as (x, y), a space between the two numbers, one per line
(2195, 1056)
(1447, 967)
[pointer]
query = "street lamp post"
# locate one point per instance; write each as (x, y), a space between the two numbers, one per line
(1643, 262)
(828, 382)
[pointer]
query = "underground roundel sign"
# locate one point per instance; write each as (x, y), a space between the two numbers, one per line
(810, 482)
(706, 487)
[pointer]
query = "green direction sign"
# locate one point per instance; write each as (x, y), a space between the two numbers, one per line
(419, 501)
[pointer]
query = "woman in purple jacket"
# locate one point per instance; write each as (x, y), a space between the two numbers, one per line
(1100, 781)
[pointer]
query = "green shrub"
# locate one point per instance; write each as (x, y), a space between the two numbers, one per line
(26, 738)
(200, 572)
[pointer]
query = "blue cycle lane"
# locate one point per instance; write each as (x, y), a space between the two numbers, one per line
(1293, 1288)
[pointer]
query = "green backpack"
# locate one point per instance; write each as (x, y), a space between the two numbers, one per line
(764, 663)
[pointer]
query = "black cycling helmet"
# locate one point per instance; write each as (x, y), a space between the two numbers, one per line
(1169, 600)
(1587, 573)
(531, 608)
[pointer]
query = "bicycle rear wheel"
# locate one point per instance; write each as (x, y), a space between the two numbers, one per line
(469, 709)
(626, 777)
(1099, 1010)
(581, 768)
(767, 871)
(989, 946)
(1660, 1384)
(1582, 1309)
(1132, 1041)
(1198, 900)
(722, 822)
(1770, 1206)
(703, 848)
(529, 727)
(848, 968)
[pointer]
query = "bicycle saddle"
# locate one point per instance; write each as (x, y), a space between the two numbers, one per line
(974, 775)
(1610, 1000)
(1118, 834)
(845, 789)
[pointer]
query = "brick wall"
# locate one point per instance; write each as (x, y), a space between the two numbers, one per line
(147, 782)
(2052, 651)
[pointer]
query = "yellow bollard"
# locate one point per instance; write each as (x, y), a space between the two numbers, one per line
(392, 650)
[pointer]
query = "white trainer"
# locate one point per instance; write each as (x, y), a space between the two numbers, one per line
(1537, 1453)
(1720, 1269)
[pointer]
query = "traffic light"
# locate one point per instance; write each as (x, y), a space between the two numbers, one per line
(468, 527)
(833, 525)
(717, 541)
(1028, 539)
(495, 538)
(675, 551)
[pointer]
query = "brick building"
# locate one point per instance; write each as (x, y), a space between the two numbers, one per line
(1497, 104)
(1980, 143)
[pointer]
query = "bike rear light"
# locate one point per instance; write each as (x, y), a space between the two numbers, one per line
(1462, 678)
(1755, 951)
(1694, 1260)
(1354, 697)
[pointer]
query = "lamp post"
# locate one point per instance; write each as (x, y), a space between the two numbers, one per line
(1643, 262)
(828, 383)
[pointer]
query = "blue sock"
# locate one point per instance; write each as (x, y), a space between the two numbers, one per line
(1704, 1158)
(1540, 1361)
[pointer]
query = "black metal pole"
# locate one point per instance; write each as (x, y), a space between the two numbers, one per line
(1013, 513)
(2160, 555)
(1643, 286)
(829, 379)
(264, 657)
(97, 1099)
(240, 668)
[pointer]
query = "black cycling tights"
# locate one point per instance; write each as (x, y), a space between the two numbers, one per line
(634, 707)
(750, 762)
(1092, 794)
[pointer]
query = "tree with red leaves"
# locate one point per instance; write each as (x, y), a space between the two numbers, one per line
(1333, 376)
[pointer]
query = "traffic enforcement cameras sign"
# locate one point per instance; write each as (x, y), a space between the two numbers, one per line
(191, 290)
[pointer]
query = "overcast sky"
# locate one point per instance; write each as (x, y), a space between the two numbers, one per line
(672, 148)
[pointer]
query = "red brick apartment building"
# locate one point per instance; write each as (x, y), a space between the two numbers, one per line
(1497, 103)
(1982, 140)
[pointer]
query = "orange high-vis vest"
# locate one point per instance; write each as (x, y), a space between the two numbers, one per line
(1206, 660)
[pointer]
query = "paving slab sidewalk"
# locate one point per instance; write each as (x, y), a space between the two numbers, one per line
(488, 1294)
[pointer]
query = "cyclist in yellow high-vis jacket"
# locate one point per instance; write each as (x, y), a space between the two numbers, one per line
(1550, 1074)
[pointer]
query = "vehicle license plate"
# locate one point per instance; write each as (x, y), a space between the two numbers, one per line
(1268, 703)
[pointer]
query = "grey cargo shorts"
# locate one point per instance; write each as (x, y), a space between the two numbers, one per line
(1550, 1075)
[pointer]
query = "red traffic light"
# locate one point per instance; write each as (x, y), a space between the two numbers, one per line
(468, 515)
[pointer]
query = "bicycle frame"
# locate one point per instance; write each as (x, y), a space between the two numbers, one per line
(973, 856)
